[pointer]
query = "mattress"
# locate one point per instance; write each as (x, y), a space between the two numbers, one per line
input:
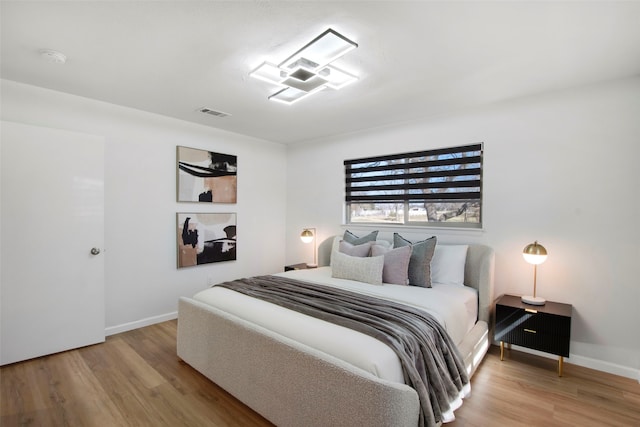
(454, 307)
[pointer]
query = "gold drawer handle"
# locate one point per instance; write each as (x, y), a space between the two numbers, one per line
(531, 310)
(530, 331)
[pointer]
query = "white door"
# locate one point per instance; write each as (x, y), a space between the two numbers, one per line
(52, 215)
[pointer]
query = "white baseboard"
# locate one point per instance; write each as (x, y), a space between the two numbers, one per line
(112, 330)
(587, 362)
(599, 365)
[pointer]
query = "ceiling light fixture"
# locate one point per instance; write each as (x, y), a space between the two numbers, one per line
(309, 70)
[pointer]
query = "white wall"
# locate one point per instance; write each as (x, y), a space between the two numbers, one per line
(560, 168)
(142, 283)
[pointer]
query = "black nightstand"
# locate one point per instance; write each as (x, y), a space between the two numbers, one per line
(301, 266)
(545, 328)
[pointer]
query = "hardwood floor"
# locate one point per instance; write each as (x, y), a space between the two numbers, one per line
(133, 379)
(525, 390)
(136, 379)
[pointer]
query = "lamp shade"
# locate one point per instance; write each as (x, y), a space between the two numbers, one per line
(306, 236)
(534, 253)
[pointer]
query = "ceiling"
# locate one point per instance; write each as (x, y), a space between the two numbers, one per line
(414, 60)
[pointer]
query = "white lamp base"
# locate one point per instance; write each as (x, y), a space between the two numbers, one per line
(533, 300)
(312, 265)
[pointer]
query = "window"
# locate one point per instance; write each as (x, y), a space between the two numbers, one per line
(431, 188)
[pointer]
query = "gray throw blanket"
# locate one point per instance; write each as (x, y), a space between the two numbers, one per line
(430, 360)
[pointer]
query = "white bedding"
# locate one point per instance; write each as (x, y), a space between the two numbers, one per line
(455, 307)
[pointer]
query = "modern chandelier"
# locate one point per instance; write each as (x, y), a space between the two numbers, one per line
(310, 69)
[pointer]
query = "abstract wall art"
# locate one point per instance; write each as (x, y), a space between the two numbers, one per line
(204, 238)
(206, 176)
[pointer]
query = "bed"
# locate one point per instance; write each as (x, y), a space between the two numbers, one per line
(292, 378)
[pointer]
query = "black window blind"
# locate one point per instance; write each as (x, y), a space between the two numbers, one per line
(444, 175)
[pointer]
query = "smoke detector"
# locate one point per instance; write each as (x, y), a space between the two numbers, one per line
(53, 56)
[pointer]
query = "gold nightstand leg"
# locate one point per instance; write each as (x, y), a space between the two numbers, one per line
(501, 350)
(560, 363)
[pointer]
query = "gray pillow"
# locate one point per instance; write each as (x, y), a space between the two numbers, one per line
(355, 240)
(420, 262)
(396, 263)
(355, 250)
(367, 270)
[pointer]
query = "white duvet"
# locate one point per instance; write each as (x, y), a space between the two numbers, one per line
(455, 307)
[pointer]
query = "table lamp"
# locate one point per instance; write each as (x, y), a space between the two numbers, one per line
(308, 235)
(535, 254)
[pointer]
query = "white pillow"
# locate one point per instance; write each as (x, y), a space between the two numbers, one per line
(367, 270)
(383, 243)
(447, 264)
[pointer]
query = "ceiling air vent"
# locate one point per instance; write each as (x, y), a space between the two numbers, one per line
(211, 112)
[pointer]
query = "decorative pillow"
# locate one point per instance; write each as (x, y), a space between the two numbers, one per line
(355, 250)
(447, 264)
(384, 243)
(419, 264)
(355, 240)
(396, 263)
(367, 270)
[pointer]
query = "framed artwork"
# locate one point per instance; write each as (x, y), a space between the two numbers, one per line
(204, 238)
(205, 176)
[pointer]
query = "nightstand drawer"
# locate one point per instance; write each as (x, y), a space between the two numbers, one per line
(532, 319)
(548, 324)
(541, 341)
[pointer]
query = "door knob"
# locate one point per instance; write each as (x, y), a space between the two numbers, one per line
(95, 251)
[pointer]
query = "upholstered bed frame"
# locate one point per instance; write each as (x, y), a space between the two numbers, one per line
(291, 384)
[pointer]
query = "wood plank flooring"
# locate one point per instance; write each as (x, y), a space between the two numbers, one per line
(136, 379)
(525, 390)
